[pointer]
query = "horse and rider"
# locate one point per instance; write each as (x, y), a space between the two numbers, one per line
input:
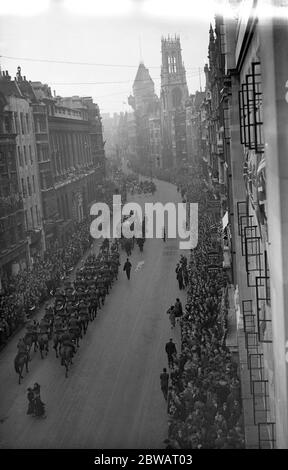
(67, 351)
(75, 305)
(31, 336)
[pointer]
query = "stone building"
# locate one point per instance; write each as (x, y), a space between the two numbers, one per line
(66, 158)
(28, 167)
(77, 158)
(52, 168)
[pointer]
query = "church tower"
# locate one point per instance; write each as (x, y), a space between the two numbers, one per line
(174, 94)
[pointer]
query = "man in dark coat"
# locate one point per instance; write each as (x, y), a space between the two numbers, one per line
(39, 409)
(127, 268)
(180, 278)
(171, 350)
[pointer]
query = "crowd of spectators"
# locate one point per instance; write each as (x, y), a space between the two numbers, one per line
(204, 400)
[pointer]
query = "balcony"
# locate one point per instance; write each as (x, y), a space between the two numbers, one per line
(10, 204)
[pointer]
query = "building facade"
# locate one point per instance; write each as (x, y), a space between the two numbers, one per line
(60, 159)
(28, 167)
(77, 158)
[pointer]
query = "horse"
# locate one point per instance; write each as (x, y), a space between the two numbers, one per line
(66, 354)
(49, 318)
(114, 268)
(75, 334)
(102, 295)
(93, 308)
(43, 341)
(20, 361)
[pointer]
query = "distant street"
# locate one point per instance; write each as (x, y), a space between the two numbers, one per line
(112, 397)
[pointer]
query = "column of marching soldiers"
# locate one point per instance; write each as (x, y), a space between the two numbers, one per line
(75, 305)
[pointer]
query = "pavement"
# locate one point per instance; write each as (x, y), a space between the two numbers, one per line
(112, 397)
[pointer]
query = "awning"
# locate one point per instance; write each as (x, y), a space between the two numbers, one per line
(225, 220)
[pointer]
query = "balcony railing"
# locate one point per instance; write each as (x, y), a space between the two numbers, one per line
(250, 111)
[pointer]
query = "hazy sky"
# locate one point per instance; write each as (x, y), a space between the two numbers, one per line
(87, 33)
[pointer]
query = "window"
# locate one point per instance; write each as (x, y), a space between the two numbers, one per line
(250, 111)
(39, 153)
(33, 181)
(30, 155)
(44, 210)
(37, 215)
(22, 123)
(20, 156)
(19, 231)
(32, 217)
(16, 120)
(28, 186)
(27, 123)
(45, 154)
(172, 64)
(7, 124)
(23, 187)
(43, 181)
(41, 125)
(25, 154)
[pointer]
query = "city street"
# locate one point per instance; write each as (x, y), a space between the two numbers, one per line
(112, 396)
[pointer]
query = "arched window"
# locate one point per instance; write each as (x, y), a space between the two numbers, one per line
(172, 64)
